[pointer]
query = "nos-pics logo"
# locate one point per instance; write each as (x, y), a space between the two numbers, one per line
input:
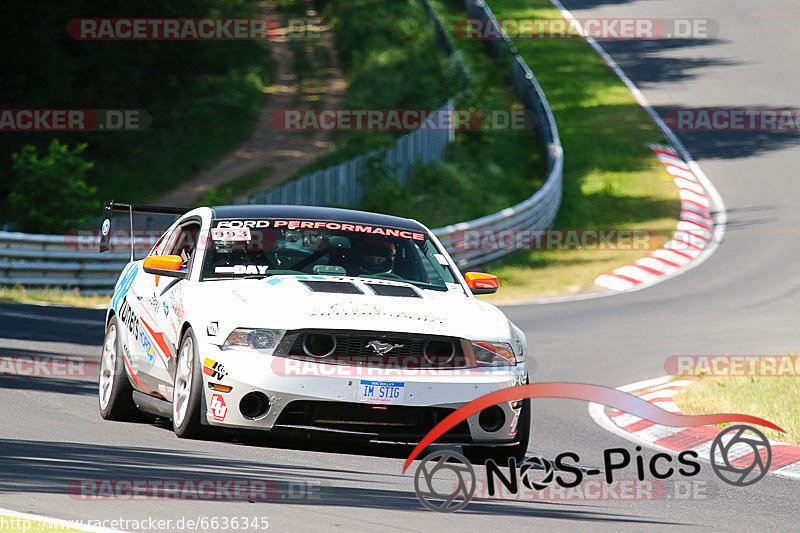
(445, 481)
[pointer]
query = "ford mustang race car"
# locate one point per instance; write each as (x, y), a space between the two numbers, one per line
(314, 322)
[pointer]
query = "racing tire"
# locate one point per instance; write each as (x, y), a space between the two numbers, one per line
(188, 389)
(114, 390)
(500, 454)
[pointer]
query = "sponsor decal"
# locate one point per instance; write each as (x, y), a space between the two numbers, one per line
(231, 235)
(214, 369)
(362, 309)
(358, 228)
(129, 319)
(245, 224)
(166, 391)
(218, 407)
(212, 329)
(106, 226)
(153, 301)
(176, 300)
(241, 269)
(123, 286)
(166, 309)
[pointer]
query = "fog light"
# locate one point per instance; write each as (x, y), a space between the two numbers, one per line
(319, 344)
(254, 405)
(491, 419)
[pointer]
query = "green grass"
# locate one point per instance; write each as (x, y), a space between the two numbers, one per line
(226, 194)
(770, 398)
(483, 171)
(388, 52)
(185, 138)
(611, 177)
(52, 295)
(312, 67)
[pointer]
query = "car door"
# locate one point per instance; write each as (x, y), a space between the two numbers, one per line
(164, 310)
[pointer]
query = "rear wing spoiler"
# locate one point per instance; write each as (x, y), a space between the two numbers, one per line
(108, 212)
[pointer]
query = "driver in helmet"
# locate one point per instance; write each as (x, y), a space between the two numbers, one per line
(374, 256)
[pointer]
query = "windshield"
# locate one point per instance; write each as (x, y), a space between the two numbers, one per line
(259, 248)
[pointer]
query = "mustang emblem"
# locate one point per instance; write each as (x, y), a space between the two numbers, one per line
(382, 348)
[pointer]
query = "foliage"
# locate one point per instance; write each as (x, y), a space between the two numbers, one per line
(50, 194)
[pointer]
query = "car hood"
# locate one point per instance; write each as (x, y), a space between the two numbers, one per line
(288, 302)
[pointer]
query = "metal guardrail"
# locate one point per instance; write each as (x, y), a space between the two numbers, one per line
(340, 184)
(56, 260)
(539, 211)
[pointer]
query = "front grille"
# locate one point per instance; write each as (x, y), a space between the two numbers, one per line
(391, 421)
(352, 347)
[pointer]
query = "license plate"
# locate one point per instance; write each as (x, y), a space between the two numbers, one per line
(380, 391)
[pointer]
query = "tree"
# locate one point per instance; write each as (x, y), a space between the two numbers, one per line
(50, 194)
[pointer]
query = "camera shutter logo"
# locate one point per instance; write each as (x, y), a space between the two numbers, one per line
(739, 460)
(454, 498)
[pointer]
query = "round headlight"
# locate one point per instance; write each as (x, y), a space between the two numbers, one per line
(262, 339)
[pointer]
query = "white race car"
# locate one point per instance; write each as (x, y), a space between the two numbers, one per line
(314, 322)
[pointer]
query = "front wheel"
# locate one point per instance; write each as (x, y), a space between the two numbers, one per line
(188, 390)
(114, 390)
(500, 454)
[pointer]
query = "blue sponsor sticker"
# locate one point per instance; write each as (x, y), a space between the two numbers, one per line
(124, 286)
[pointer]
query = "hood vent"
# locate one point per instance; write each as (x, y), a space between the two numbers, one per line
(338, 287)
(393, 290)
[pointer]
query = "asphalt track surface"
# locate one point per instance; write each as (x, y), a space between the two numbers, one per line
(743, 300)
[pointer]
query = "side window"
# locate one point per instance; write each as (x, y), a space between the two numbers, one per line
(158, 249)
(184, 242)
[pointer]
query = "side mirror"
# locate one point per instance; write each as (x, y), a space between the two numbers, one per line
(164, 265)
(482, 283)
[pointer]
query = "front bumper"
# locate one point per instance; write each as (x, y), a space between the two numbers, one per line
(310, 397)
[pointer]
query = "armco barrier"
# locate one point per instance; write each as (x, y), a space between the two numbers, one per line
(38, 260)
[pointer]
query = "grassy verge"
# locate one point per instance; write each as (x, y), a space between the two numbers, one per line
(771, 398)
(312, 67)
(52, 295)
(388, 52)
(483, 171)
(611, 178)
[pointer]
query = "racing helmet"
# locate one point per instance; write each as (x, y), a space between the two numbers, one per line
(374, 256)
